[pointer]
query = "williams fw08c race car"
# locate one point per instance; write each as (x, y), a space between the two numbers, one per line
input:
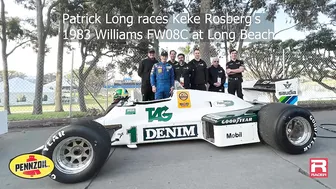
(80, 149)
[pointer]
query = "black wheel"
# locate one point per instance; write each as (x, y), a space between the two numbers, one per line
(97, 127)
(289, 128)
(77, 152)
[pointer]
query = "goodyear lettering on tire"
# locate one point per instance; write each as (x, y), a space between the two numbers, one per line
(55, 137)
(31, 166)
(312, 119)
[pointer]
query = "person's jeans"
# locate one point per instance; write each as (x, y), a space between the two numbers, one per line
(162, 95)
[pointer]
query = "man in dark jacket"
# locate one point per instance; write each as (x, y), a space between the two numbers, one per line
(234, 69)
(216, 76)
(182, 72)
(199, 78)
(144, 71)
(172, 60)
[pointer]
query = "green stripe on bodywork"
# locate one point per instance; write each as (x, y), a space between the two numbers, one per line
(234, 117)
(284, 99)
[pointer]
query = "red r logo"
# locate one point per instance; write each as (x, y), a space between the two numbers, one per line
(318, 167)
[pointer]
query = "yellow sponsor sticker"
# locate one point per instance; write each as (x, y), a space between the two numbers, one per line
(183, 99)
(159, 70)
(31, 166)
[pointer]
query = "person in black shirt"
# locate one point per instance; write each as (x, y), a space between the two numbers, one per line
(199, 77)
(144, 71)
(234, 69)
(172, 60)
(182, 72)
(216, 76)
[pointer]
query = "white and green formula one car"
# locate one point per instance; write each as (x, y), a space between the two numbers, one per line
(80, 149)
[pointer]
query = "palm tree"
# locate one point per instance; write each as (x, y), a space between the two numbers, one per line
(186, 51)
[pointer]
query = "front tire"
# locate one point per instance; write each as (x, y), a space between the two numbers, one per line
(289, 128)
(77, 152)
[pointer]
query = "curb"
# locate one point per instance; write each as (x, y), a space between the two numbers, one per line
(45, 123)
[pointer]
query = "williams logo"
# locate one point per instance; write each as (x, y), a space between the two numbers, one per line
(234, 135)
(31, 166)
(159, 133)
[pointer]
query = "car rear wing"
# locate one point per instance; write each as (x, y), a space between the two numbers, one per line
(286, 90)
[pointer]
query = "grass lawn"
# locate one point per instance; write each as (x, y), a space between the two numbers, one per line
(90, 103)
(20, 113)
(45, 115)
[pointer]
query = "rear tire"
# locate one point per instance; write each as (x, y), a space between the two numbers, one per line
(78, 152)
(288, 128)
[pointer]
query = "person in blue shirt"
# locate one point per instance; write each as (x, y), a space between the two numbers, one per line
(162, 78)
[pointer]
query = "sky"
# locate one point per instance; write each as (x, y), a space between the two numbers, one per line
(24, 60)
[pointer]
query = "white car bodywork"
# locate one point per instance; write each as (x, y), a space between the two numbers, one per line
(219, 118)
(185, 123)
(192, 121)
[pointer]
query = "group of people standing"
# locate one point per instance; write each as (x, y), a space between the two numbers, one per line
(158, 77)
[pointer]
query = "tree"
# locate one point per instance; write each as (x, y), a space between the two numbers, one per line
(304, 13)
(331, 9)
(318, 52)
(95, 47)
(44, 30)
(313, 57)
(135, 50)
(264, 60)
(12, 74)
(222, 8)
(94, 82)
(11, 30)
(186, 51)
(156, 12)
(48, 78)
(60, 51)
(59, 66)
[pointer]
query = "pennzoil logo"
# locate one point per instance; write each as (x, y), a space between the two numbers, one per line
(31, 166)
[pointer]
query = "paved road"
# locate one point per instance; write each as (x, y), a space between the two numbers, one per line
(195, 164)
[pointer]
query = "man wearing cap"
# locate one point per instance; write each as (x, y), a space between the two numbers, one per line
(162, 78)
(216, 76)
(182, 72)
(144, 70)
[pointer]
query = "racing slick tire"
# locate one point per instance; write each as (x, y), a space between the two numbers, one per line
(77, 152)
(286, 127)
(97, 127)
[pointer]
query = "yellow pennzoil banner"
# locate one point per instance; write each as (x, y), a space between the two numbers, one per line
(31, 166)
(183, 99)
